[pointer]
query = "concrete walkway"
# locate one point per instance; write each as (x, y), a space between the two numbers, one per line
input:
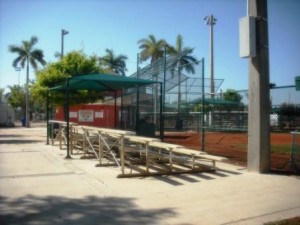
(39, 186)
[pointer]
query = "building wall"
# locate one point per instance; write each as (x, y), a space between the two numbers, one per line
(91, 115)
(7, 115)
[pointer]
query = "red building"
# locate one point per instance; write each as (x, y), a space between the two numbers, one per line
(99, 115)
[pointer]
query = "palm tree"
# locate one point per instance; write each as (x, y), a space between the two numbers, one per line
(115, 63)
(183, 61)
(27, 54)
(183, 54)
(151, 48)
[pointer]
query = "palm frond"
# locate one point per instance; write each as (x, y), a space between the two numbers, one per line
(15, 49)
(182, 55)
(33, 40)
(26, 52)
(33, 63)
(23, 61)
(115, 63)
(151, 48)
(17, 61)
(38, 55)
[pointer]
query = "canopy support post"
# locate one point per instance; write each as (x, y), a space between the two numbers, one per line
(67, 118)
(115, 125)
(47, 117)
(161, 114)
(137, 111)
(202, 111)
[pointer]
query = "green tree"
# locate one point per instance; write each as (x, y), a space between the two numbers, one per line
(154, 50)
(16, 97)
(183, 55)
(183, 61)
(75, 63)
(289, 109)
(234, 97)
(114, 63)
(288, 114)
(151, 48)
(27, 54)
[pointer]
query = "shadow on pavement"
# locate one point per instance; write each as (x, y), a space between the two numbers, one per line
(33, 209)
(18, 142)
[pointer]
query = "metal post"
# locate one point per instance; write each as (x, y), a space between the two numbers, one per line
(63, 33)
(259, 93)
(47, 117)
(122, 123)
(137, 112)
(27, 124)
(161, 114)
(212, 85)
(18, 69)
(115, 110)
(202, 111)
(164, 94)
(62, 44)
(67, 119)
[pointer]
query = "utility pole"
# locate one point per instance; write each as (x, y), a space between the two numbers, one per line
(259, 93)
(18, 69)
(211, 21)
(63, 33)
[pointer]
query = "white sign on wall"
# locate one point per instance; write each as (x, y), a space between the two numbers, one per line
(86, 115)
(73, 115)
(99, 114)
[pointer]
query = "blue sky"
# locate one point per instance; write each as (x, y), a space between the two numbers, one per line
(95, 25)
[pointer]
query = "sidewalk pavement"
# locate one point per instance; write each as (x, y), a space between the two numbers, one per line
(39, 186)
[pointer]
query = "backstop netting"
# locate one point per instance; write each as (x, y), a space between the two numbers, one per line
(183, 86)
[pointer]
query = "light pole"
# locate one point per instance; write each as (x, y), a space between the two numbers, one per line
(211, 21)
(18, 69)
(63, 33)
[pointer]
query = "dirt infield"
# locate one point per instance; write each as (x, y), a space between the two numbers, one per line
(234, 146)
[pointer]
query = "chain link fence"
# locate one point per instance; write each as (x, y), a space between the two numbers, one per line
(226, 132)
(220, 124)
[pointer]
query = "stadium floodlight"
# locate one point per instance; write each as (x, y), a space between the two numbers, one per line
(63, 33)
(211, 21)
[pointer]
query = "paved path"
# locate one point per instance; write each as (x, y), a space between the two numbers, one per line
(39, 186)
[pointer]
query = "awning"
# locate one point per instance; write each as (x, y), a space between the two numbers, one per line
(102, 82)
(216, 101)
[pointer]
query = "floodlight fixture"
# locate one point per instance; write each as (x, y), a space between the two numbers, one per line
(63, 33)
(211, 21)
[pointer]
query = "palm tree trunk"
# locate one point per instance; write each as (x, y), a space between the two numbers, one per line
(27, 95)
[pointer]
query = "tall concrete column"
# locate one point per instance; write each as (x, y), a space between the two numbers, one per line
(259, 93)
(211, 21)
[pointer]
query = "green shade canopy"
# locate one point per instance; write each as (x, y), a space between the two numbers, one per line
(216, 101)
(103, 82)
(97, 82)
(297, 82)
(219, 101)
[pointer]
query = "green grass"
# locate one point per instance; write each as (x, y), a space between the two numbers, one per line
(281, 149)
(275, 149)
